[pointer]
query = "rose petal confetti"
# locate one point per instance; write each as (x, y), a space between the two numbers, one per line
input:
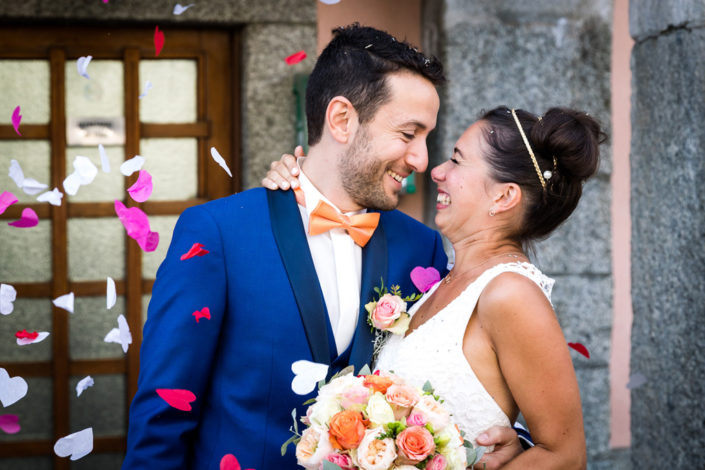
(295, 58)
(6, 200)
(306, 375)
(177, 398)
(220, 161)
(158, 41)
(53, 197)
(83, 384)
(196, 250)
(76, 445)
(179, 9)
(110, 295)
(28, 185)
(142, 189)
(133, 164)
(8, 294)
(147, 87)
(136, 224)
(10, 424)
(580, 348)
(424, 278)
(104, 161)
(32, 338)
(28, 219)
(120, 335)
(229, 462)
(82, 65)
(11, 389)
(636, 381)
(65, 301)
(16, 118)
(205, 312)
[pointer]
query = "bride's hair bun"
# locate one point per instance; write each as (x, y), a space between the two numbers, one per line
(565, 143)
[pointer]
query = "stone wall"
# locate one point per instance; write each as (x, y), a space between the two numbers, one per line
(534, 55)
(271, 30)
(668, 231)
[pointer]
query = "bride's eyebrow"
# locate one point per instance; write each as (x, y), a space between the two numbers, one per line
(457, 150)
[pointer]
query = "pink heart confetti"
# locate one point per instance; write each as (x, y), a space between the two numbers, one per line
(196, 250)
(177, 398)
(136, 224)
(580, 348)
(158, 41)
(16, 118)
(229, 462)
(10, 423)
(203, 313)
(424, 278)
(6, 200)
(28, 219)
(295, 58)
(142, 189)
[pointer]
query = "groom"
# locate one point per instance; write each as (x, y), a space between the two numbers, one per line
(282, 279)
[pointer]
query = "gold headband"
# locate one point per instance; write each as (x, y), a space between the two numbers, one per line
(531, 152)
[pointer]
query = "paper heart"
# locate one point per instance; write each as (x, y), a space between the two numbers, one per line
(195, 250)
(8, 294)
(82, 65)
(295, 58)
(179, 9)
(136, 224)
(6, 200)
(142, 189)
(177, 398)
(133, 164)
(220, 161)
(203, 313)
(158, 41)
(424, 278)
(121, 334)
(65, 301)
(11, 389)
(53, 197)
(28, 219)
(83, 384)
(147, 87)
(580, 348)
(77, 445)
(33, 338)
(16, 118)
(71, 184)
(28, 185)
(110, 295)
(10, 423)
(306, 375)
(104, 160)
(229, 462)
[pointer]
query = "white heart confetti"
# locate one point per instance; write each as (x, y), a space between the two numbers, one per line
(306, 375)
(83, 384)
(65, 301)
(85, 169)
(11, 389)
(104, 161)
(120, 335)
(179, 9)
(8, 294)
(110, 296)
(133, 164)
(28, 185)
(82, 65)
(147, 87)
(220, 161)
(53, 197)
(77, 445)
(41, 336)
(71, 184)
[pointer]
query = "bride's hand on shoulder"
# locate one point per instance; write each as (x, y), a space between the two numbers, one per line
(283, 173)
(506, 447)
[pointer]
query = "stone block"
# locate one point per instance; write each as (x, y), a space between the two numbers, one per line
(648, 18)
(594, 394)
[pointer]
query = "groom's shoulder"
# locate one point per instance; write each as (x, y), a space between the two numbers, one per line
(251, 203)
(396, 220)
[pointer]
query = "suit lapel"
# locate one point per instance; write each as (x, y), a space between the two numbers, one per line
(290, 237)
(374, 271)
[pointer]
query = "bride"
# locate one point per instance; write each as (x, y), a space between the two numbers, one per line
(486, 336)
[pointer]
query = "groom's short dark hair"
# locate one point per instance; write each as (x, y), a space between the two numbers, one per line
(354, 65)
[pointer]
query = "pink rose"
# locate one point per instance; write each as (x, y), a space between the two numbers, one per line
(433, 412)
(389, 307)
(415, 443)
(342, 460)
(373, 453)
(312, 448)
(416, 419)
(402, 398)
(438, 462)
(354, 396)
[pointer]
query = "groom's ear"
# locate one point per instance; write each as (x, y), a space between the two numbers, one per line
(341, 119)
(507, 197)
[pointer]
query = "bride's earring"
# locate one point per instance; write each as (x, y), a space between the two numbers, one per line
(492, 212)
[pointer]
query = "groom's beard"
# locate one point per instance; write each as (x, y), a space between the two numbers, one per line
(363, 175)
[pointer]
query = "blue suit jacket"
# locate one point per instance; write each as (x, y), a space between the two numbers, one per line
(267, 311)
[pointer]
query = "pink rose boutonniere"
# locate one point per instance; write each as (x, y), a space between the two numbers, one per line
(388, 312)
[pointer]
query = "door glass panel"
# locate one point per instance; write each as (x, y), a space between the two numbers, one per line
(91, 321)
(28, 463)
(105, 186)
(34, 410)
(25, 253)
(151, 261)
(100, 96)
(101, 406)
(172, 97)
(31, 315)
(101, 461)
(173, 164)
(24, 83)
(96, 249)
(145, 307)
(34, 157)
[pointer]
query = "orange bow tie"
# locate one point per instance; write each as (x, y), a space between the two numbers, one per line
(360, 227)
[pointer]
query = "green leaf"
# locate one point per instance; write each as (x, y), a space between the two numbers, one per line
(427, 388)
(296, 424)
(471, 456)
(365, 370)
(310, 401)
(467, 443)
(291, 440)
(346, 371)
(480, 451)
(328, 465)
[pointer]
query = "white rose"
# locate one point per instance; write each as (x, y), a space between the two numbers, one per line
(437, 416)
(373, 453)
(456, 459)
(323, 410)
(339, 385)
(379, 411)
(313, 447)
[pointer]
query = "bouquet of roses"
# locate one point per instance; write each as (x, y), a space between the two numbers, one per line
(379, 422)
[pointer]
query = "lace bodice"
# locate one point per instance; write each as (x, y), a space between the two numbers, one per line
(434, 352)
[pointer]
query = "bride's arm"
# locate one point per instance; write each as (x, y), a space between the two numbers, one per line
(535, 362)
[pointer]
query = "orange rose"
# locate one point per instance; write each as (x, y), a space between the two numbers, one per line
(347, 428)
(378, 383)
(415, 443)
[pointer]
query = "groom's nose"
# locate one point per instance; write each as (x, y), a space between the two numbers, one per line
(416, 156)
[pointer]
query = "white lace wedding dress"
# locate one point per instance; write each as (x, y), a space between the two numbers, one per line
(434, 352)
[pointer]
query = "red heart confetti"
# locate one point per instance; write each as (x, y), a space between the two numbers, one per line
(177, 398)
(203, 313)
(196, 250)
(229, 462)
(158, 41)
(424, 278)
(580, 348)
(295, 58)
(25, 335)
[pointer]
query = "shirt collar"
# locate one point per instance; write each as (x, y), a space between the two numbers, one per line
(312, 196)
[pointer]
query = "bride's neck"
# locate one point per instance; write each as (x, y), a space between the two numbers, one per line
(471, 252)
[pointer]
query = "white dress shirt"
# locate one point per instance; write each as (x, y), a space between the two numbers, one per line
(338, 262)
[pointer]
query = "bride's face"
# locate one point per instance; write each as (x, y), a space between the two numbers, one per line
(464, 187)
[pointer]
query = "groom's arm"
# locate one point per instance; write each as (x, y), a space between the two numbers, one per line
(177, 352)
